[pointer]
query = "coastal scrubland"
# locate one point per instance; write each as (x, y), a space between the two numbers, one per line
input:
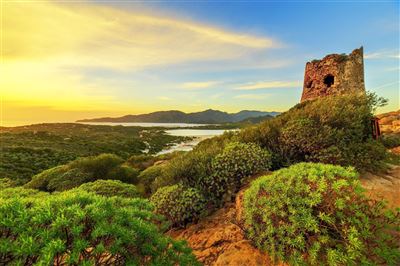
(304, 205)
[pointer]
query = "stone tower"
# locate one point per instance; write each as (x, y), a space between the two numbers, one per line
(334, 74)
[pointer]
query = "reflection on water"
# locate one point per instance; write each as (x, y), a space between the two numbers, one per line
(197, 134)
(142, 124)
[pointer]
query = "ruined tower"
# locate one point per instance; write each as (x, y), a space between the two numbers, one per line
(334, 74)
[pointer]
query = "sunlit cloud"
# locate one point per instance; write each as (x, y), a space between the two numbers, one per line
(269, 85)
(252, 96)
(199, 85)
(99, 36)
(48, 47)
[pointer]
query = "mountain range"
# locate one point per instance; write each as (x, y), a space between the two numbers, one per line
(205, 117)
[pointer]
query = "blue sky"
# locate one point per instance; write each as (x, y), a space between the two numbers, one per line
(195, 55)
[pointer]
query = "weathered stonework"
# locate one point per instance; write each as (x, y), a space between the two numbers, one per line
(334, 74)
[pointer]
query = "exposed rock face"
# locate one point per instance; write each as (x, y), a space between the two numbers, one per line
(334, 74)
(390, 122)
(219, 240)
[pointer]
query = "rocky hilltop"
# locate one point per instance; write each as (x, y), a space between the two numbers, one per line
(390, 122)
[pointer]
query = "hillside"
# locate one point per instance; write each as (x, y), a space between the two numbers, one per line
(204, 117)
(390, 122)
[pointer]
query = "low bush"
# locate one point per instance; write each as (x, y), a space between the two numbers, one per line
(191, 168)
(82, 170)
(110, 188)
(180, 205)
(20, 192)
(316, 214)
(148, 176)
(390, 141)
(80, 228)
(231, 167)
(6, 183)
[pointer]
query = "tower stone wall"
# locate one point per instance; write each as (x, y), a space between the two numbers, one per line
(334, 74)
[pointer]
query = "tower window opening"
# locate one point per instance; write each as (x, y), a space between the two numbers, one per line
(329, 80)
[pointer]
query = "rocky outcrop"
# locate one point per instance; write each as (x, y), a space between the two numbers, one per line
(389, 123)
(334, 74)
(219, 240)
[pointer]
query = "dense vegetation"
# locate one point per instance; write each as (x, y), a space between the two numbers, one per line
(82, 228)
(110, 188)
(82, 170)
(180, 205)
(28, 150)
(334, 130)
(314, 214)
(87, 176)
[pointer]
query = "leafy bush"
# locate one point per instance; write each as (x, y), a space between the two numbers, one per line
(6, 183)
(148, 176)
(20, 192)
(390, 141)
(191, 168)
(82, 170)
(312, 214)
(180, 205)
(230, 168)
(82, 228)
(322, 130)
(110, 188)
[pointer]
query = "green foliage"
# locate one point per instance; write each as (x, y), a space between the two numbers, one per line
(6, 183)
(180, 205)
(316, 214)
(231, 167)
(79, 228)
(82, 170)
(29, 150)
(20, 192)
(110, 188)
(148, 176)
(191, 168)
(334, 129)
(390, 141)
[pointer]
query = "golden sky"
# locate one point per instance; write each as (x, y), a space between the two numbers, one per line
(66, 61)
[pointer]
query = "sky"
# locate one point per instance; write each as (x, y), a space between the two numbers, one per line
(67, 60)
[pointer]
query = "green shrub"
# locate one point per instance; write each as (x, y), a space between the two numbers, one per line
(6, 183)
(316, 214)
(390, 141)
(20, 192)
(148, 176)
(110, 188)
(79, 228)
(231, 167)
(82, 170)
(180, 205)
(322, 130)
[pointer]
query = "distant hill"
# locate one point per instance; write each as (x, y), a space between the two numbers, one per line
(205, 117)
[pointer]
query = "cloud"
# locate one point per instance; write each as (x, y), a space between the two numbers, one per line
(269, 85)
(199, 85)
(101, 36)
(387, 85)
(385, 54)
(252, 96)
